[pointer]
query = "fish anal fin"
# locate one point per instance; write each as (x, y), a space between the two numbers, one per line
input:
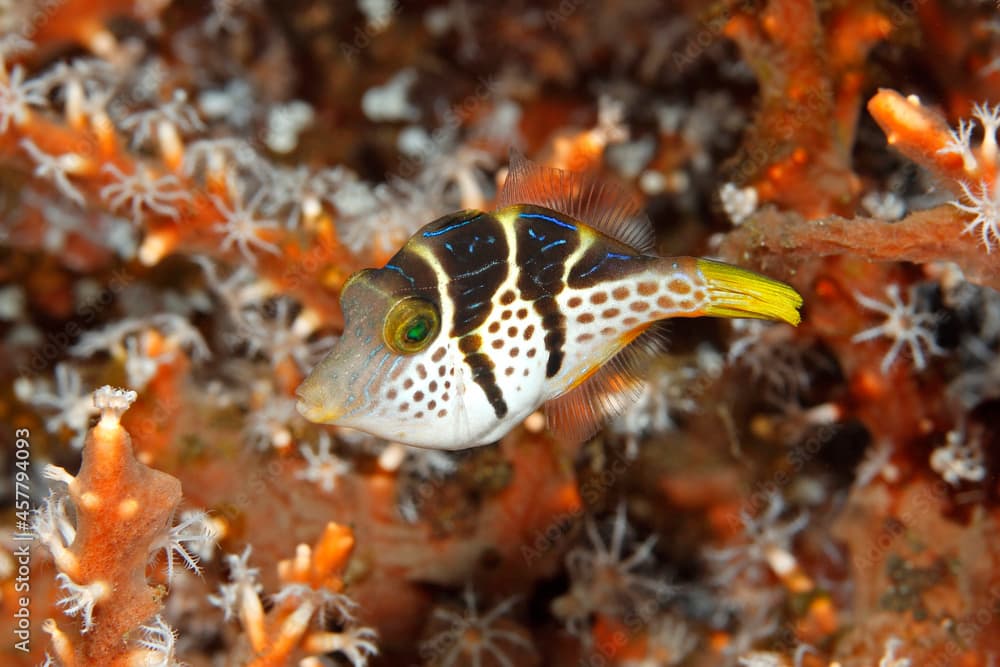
(585, 197)
(607, 391)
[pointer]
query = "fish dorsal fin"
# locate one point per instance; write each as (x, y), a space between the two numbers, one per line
(609, 391)
(584, 197)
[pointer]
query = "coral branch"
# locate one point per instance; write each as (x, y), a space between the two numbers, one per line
(924, 137)
(796, 154)
(771, 239)
(123, 509)
(296, 626)
(921, 135)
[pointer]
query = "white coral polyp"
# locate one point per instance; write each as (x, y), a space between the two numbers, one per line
(113, 403)
(985, 207)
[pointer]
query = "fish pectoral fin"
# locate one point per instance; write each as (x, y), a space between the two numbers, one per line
(584, 197)
(608, 390)
(737, 292)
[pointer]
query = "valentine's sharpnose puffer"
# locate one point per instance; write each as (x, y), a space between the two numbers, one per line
(481, 318)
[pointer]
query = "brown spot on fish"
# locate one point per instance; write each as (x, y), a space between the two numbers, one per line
(647, 288)
(620, 293)
(678, 286)
(469, 344)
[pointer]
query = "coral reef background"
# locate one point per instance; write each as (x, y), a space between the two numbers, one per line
(185, 186)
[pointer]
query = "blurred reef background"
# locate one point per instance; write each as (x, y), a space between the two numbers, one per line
(185, 186)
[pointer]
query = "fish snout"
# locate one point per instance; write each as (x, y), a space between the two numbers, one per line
(315, 401)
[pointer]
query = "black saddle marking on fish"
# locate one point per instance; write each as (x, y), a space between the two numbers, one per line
(412, 273)
(472, 250)
(545, 240)
(482, 372)
(604, 262)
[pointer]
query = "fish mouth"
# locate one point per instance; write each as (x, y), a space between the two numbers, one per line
(311, 405)
(317, 414)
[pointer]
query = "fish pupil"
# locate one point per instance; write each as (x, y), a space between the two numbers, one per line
(417, 331)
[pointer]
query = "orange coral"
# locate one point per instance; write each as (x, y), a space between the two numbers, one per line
(122, 510)
(86, 136)
(937, 234)
(923, 136)
(311, 583)
(797, 152)
(309, 265)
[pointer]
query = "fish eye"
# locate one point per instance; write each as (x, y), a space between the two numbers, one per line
(411, 324)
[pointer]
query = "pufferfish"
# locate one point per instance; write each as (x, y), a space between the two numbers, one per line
(550, 300)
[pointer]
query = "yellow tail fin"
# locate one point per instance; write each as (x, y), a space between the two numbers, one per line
(736, 292)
